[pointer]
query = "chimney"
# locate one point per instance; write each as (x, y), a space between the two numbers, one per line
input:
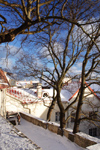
(39, 90)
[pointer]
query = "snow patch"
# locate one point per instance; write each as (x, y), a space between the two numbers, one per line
(45, 139)
(94, 147)
(10, 137)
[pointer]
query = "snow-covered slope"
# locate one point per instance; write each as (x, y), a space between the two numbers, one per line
(46, 139)
(12, 139)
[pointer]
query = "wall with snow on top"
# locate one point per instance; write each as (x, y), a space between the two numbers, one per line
(81, 139)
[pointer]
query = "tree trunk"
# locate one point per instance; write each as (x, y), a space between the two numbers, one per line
(78, 112)
(80, 101)
(83, 77)
(51, 108)
(62, 110)
(62, 119)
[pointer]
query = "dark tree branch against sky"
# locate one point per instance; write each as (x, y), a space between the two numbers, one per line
(25, 17)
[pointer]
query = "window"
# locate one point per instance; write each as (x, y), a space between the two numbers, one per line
(93, 131)
(73, 117)
(57, 116)
(45, 95)
(35, 85)
(93, 115)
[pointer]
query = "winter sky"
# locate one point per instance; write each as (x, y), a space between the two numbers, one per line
(11, 51)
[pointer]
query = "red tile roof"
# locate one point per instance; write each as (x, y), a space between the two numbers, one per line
(92, 90)
(3, 80)
(74, 94)
(89, 89)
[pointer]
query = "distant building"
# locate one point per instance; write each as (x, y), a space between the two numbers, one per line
(27, 84)
(90, 110)
(36, 101)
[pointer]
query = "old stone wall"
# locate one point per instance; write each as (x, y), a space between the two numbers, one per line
(80, 139)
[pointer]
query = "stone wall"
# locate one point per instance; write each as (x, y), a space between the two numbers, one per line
(81, 139)
(34, 120)
(52, 127)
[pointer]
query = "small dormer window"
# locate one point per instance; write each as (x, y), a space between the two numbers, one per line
(45, 95)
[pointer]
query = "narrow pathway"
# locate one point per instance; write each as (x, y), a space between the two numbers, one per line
(46, 139)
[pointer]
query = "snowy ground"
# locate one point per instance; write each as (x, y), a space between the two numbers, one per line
(12, 139)
(46, 139)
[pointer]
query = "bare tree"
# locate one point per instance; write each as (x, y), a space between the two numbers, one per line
(24, 17)
(58, 52)
(30, 17)
(85, 74)
(90, 114)
(34, 17)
